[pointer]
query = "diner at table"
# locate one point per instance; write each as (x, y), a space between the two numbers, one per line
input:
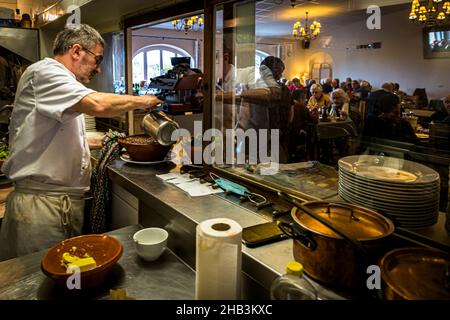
(389, 124)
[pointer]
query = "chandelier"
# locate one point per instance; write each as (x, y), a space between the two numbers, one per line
(307, 32)
(194, 23)
(434, 13)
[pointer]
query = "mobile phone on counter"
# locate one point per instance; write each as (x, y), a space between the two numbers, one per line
(262, 234)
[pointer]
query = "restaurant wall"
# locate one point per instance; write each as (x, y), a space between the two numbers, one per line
(400, 58)
(146, 36)
(294, 61)
(285, 49)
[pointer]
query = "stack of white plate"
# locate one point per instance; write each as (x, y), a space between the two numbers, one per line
(90, 122)
(402, 190)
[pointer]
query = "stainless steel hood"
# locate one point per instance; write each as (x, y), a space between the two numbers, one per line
(105, 15)
(23, 42)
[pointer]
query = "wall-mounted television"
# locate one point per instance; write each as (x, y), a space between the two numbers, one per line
(436, 42)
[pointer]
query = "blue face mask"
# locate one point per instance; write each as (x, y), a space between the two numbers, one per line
(229, 186)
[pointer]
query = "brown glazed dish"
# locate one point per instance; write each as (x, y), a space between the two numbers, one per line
(105, 250)
(142, 147)
(416, 273)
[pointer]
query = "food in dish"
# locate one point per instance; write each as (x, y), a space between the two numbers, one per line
(73, 262)
(139, 139)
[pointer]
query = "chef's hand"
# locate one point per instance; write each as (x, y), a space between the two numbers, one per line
(151, 101)
(95, 142)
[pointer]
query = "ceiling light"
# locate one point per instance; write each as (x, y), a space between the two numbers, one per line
(194, 23)
(435, 12)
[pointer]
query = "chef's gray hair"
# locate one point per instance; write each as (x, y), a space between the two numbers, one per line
(84, 35)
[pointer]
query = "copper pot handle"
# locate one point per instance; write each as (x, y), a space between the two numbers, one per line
(344, 206)
(303, 236)
(355, 243)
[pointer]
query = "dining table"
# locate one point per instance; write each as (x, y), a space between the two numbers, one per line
(421, 112)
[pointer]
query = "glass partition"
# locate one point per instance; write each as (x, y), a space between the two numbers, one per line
(285, 123)
(167, 61)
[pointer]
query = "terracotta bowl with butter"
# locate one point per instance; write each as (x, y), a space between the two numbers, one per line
(93, 254)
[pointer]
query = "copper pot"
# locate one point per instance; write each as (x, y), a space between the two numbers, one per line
(327, 256)
(416, 274)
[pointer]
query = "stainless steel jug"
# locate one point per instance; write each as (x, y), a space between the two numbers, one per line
(158, 125)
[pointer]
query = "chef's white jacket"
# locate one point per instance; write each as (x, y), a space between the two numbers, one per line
(48, 149)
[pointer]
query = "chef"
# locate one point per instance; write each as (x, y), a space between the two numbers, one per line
(49, 158)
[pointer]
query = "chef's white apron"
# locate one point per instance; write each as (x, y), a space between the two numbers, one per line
(37, 220)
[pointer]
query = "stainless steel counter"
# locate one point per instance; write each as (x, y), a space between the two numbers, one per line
(172, 276)
(166, 278)
(164, 205)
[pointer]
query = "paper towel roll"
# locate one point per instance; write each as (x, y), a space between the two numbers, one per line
(218, 260)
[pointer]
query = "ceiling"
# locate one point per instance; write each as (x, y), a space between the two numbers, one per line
(276, 17)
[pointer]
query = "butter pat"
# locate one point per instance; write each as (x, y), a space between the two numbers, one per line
(74, 263)
(68, 258)
(84, 264)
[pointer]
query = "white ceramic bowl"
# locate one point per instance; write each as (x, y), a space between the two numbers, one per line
(150, 243)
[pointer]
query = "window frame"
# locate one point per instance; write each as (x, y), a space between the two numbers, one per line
(179, 52)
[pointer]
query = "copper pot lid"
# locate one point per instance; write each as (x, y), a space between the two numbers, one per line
(358, 222)
(417, 273)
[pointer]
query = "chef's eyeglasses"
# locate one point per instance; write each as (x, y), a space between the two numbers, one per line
(98, 58)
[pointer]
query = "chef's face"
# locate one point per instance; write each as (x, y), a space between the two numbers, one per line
(89, 63)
